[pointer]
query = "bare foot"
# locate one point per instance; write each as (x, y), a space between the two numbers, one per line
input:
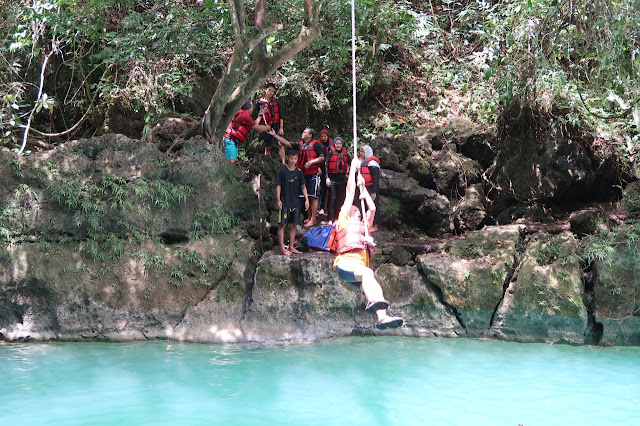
(374, 228)
(285, 252)
(321, 212)
(309, 224)
(295, 251)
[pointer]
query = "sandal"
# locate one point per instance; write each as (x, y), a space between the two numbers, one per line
(389, 322)
(372, 307)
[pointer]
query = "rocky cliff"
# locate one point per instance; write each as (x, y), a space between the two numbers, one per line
(108, 239)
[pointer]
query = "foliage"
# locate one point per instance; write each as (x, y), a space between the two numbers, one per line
(550, 251)
(607, 245)
(215, 221)
(91, 202)
(134, 53)
(573, 65)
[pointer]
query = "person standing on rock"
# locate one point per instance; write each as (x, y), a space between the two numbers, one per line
(354, 250)
(290, 186)
(238, 130)
(272, 116)
(370, 170)
(337, 167)
(326, 143)
(310, 157)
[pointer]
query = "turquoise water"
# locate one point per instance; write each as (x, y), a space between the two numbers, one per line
(398, 381)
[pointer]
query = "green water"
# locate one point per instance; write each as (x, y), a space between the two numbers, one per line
(399, 381)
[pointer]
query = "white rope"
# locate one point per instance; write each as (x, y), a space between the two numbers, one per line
(355, 124)
(353, 76)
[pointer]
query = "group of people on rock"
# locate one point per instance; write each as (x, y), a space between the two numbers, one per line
(324, 162)
(315, 173)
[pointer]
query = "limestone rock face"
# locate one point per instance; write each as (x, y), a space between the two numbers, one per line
(419, 206)
(617, 295)
(301, 298)
(586, 221)
(549, 170)
(469, 214)
(454, 172)
(545, 299)
(108, 239)
(418, 302)
(471, 273)
(407, 154)
(50, 291)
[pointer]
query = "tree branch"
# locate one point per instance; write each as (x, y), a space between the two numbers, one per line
(54, 49)
(82, 119)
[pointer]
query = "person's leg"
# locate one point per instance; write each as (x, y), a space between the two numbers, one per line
(281, 241)
(231, 151)
(357, 274)
(331, 203)
(292, 239)
(341, 191)
(283, 219)
(294, 220)
(312, 193)
(281, 153)
(268, 139)
(313, 207)
(323, 193)
(376, 218)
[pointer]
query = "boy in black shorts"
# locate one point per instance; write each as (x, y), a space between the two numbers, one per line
(289, 184)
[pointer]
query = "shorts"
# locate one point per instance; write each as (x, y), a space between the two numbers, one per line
(288, 215)
(268, 139)
(345, 273)
(230, 149)
(312, 185)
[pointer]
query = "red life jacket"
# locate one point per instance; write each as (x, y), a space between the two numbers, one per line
(338, 161)
(306, 153)
(272, 110)
(236, 130)
(351, 237)
(327, 147)
(364, 170)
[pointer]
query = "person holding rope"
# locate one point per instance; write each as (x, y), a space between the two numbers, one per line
(272, 116)
(354, 250)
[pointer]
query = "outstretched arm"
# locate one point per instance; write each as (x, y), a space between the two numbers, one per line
(261, 127)
(280, 138)
(351, 187)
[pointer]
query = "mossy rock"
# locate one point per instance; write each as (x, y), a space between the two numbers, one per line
(412, 297)
(471, 273)
(547, 301)
(617, 295)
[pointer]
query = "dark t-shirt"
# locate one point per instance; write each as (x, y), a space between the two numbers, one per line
(291, 183)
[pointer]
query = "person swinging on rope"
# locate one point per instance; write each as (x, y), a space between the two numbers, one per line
(354, 251)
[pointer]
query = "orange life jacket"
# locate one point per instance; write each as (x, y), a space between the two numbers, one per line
(351, 237)
(236, 130)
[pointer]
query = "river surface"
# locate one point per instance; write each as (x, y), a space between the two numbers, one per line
(374, 381)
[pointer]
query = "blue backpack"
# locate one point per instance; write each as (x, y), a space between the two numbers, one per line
(321, 237)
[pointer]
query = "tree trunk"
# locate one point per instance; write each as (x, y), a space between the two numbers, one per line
(242, 78)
